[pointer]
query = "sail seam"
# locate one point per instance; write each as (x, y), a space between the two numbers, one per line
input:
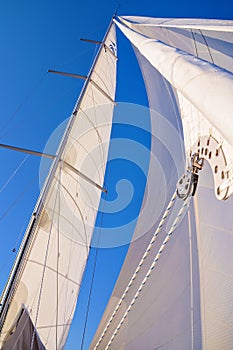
(53, 270)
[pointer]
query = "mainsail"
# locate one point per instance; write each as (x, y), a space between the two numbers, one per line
(46, 278)
(179, 295)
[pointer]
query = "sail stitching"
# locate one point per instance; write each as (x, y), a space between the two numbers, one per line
(160, 251)
(165, 215)
(20, 195)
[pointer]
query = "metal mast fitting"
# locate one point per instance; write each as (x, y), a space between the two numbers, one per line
(187, 184)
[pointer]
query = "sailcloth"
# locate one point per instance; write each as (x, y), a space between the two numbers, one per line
(180, 296)
(48, 282)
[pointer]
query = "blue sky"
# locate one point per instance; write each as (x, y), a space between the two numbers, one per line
(35, 37)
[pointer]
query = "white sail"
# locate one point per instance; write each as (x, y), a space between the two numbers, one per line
(168, 296)
(48, 282)
(193, 78)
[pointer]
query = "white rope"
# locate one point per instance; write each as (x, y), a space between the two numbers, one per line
(161, 249)
(165, 215)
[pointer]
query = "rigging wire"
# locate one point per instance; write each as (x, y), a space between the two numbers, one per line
(93, 272)
(195, 43)
(14, 173)
(206, 43)
(21, 194)
(19, 107)
(18, 239)
(58, 254)
(165, 215)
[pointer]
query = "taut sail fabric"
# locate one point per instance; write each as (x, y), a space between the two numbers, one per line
(186, 302)
(49, 280)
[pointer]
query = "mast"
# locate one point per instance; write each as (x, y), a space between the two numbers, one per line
(29, 237)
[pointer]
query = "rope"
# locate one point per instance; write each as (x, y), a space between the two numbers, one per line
(24, 100)
(195, 44)
(206, 45)
(93, 276)
(165, 215)
(161, 249)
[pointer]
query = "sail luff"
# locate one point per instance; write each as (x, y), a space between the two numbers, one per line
(206, 86)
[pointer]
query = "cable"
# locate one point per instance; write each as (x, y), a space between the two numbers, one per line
(14, 173)
(93, 274)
